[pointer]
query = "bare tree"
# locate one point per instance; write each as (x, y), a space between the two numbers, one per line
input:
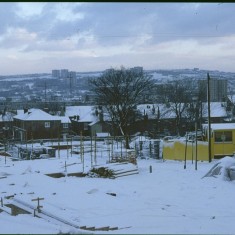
(178, 96)
(119, 91)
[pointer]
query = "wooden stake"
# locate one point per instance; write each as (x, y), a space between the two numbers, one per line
(38, 200)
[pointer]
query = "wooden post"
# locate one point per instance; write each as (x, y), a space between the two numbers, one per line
(121, 147)
(32, 145)
(126, 150)
(59, 144)
(112, 148)
(185, 153)
(81, 151)
(91, 152)
(192, 150)
(209, 117)
(51, 139)
(71, 147)
(196, 146)
(67, 147)
(38, 200)
(109, 149)
(95, 148)
(26, 136)
(1, 202)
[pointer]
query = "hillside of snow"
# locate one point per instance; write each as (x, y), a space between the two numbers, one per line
(170, 200)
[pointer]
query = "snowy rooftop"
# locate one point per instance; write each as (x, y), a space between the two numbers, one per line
(221, 126)
(7, 117)
(148, 109)
(85, 113)
(36, 115)
(217, 110)
(64, 119)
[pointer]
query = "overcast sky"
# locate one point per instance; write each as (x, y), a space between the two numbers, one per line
(39, 37)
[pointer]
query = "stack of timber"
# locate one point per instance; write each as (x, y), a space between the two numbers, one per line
(115, 170)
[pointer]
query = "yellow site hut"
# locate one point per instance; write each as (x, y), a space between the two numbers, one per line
(222, 144)
(222, 139)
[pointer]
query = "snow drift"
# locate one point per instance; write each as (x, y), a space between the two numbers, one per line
(224, 168)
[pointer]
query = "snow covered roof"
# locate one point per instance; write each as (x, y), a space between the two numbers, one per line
(64, 119)
(36, 115)
(216, 108)
(8, 117)
(221, 126)
(165, 112)
(85, 113)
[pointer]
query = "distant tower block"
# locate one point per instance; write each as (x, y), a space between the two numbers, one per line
(64, 73)
(56, 73)
(218, 89)
(137, 70)
(71, 79)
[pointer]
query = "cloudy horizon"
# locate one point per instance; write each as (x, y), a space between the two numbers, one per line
(39, 37)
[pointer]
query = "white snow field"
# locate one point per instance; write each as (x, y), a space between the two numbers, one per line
(170, 200)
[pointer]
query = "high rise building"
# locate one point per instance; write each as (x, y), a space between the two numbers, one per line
(137, 69)
(218, 89)
(56, 73)
(64, 73)
(71, 79)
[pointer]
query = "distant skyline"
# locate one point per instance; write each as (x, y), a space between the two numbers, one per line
(39, 37)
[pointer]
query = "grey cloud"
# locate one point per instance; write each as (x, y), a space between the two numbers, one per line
(47, 26)
(164, 21)
(113, 23)
(7, 16)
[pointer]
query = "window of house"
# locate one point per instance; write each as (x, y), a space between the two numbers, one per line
(223, 136)
(65, 125)
(47, 124)
(85, 126)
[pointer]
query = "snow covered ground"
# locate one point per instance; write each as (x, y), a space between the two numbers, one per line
(170, 200)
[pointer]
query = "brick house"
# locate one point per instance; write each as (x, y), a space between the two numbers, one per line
(37, 124)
